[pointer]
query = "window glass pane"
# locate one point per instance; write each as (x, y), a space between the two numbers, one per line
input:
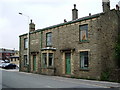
(83, 32)
(50, 59)
(15, 59)
(84, 59)
(44, 57)
(25, 59)
(25, 43)
(49, 39)
(83, 35)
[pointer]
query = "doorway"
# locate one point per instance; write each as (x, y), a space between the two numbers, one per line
(68, 63)
(34, 62)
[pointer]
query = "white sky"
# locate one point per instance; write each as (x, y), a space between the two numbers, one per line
(43, 12)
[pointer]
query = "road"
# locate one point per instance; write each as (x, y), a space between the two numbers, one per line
(15, 79)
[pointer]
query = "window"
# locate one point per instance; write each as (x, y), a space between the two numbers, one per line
(50, 59)
(84, 32)
(11, 59)
(15, 59)
(25, 43)
(47, 59)
(44, 58)
(25, 60)
(84, 60)
(49, 39)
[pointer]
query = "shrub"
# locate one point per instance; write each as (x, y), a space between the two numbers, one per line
(117, 51)
(105, 76)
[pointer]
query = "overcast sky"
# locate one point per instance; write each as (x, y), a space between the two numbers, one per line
(44, 13)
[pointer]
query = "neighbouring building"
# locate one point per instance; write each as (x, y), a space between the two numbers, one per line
(6, 53)
(15, 58)
(83, 47)
(11, 55)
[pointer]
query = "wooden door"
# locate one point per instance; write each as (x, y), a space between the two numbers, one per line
(68, 63)
(34, 62)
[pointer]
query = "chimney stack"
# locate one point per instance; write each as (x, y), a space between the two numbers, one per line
(106, 5)
(74, 13)
(31, 26)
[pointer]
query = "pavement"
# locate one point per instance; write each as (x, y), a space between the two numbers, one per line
(80, 82)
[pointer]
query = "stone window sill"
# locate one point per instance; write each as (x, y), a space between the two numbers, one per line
(25, 48)
(48, 45)
(50, 67)
(84, 69)
(80, 42)
(47, 68)
(25, 65)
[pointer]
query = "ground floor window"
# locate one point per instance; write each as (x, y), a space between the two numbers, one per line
(44, 59)
(50, 59)
(25, 60)
(47, 59)
(84, 60)
(11, 59)
(15, 59)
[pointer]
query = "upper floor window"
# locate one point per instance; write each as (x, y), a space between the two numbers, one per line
(49, 39)
(84, 62)
(25, 43)
(84, 32)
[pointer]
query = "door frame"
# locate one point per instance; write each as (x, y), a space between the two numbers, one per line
(34, 64)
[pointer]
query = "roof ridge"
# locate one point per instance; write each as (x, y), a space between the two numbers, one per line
(66, 23)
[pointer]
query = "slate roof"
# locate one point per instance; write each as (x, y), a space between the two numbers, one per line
(66, 23)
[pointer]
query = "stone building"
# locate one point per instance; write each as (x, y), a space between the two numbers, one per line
(6, 53)
(10, 55)
(83, 47)
(15, 58)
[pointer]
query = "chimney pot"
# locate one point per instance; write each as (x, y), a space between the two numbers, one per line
(74, 6)
(65, 20)
(31, 20)
(89, 14)
(117, 7)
